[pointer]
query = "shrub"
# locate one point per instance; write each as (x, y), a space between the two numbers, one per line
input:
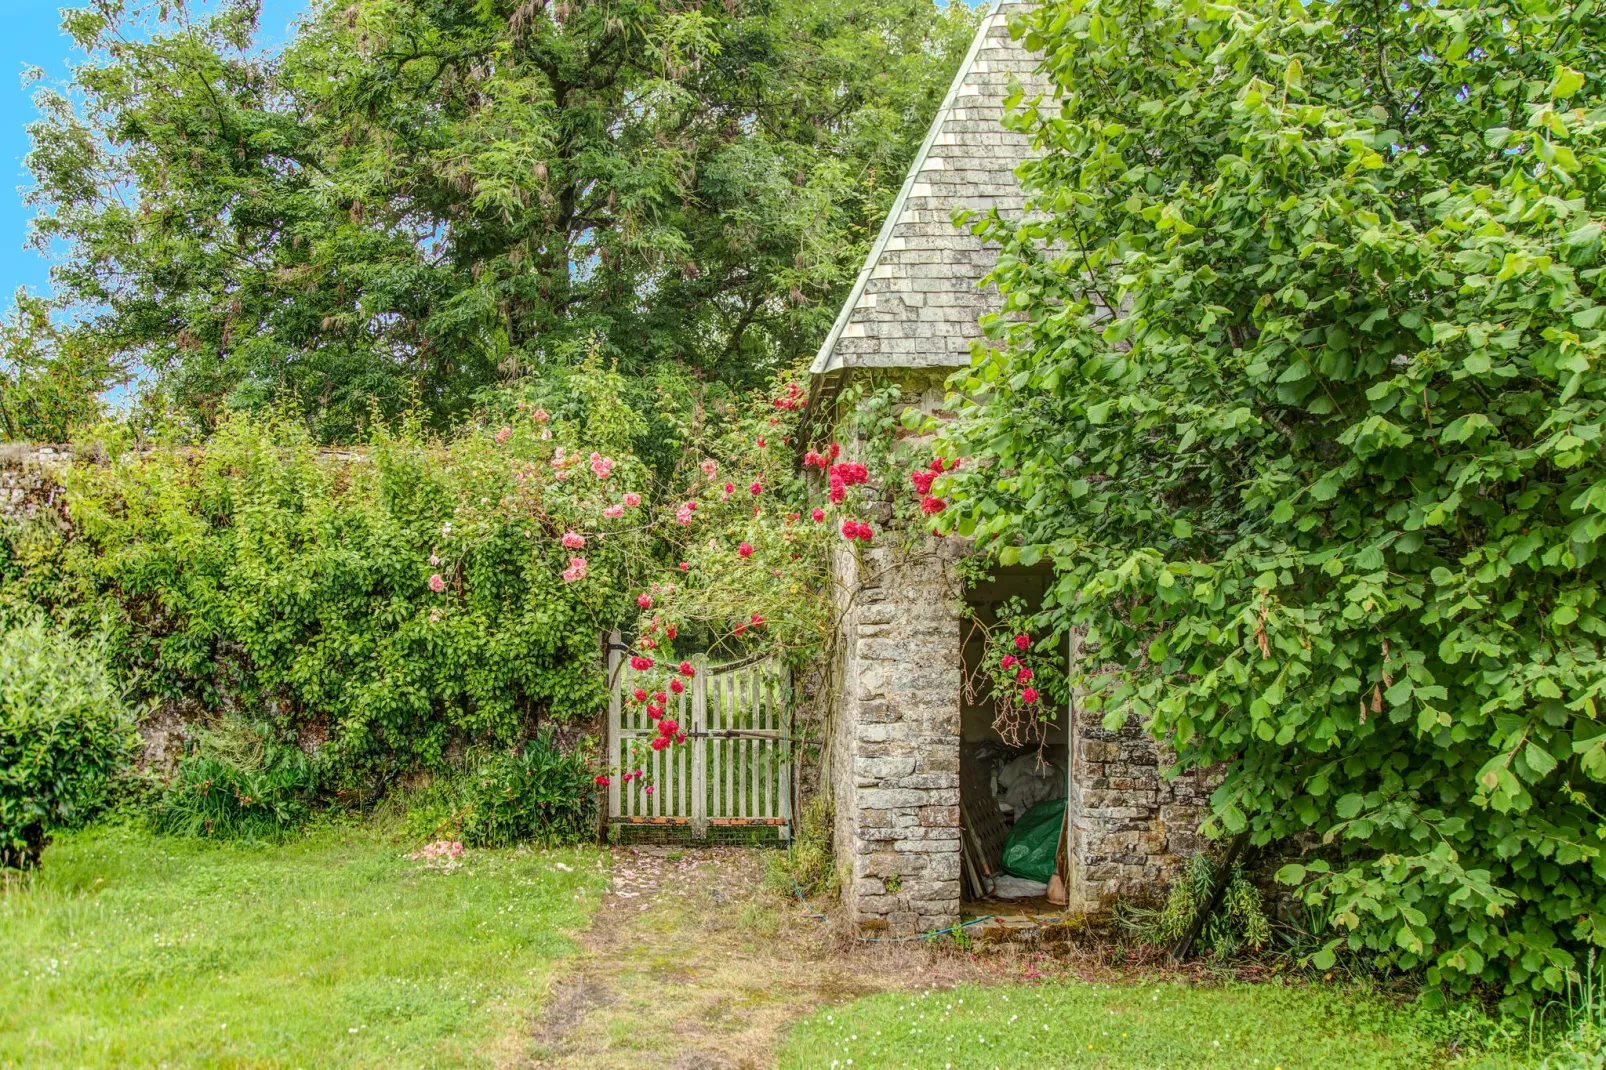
(65, 734)
(536, 792)
(1325, 494)
(393, 604)
(237, 782)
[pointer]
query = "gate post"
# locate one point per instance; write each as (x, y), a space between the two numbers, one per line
(699, 751)
(615, 682)
(784, 720)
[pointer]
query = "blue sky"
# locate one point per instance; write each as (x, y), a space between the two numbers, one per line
(30, 35)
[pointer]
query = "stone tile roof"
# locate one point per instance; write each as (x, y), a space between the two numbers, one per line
(916, 302)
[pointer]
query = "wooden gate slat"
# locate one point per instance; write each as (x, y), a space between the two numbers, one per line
(767, 747)
(714, 753)
(736, 766)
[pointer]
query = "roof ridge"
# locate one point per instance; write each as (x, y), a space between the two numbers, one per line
(828, 357)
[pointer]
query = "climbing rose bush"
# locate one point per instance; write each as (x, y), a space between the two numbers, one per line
(1326, 491)
(428, 590)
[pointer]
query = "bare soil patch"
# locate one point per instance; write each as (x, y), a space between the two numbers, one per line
(692, 964)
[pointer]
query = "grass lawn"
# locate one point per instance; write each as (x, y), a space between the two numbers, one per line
(129, 949)
(1152, 1026)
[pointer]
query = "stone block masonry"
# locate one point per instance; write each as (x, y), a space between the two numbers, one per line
(1131, 829)
(895, 767)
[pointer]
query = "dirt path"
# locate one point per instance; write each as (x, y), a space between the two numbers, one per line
(692, 965)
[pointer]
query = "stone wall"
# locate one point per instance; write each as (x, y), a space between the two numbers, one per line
(894, 751)
(896, 771)
(30, 480)
(1131, 829)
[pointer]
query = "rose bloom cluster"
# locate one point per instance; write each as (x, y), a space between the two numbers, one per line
(1023, 672)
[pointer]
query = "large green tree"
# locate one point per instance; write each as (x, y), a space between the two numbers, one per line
(419, 197)
(1300, 389)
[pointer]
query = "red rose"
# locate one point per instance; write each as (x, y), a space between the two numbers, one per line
(744, 550)
(929, 504)
(686, 669)
(640, 664)
(639, 695)
(603, 781)
(818, 515)
(676, 686)
(1029, 695)
(1021, 642)
(1009, 661)
(1024, 675)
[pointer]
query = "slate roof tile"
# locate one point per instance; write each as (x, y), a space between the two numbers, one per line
(917, 299)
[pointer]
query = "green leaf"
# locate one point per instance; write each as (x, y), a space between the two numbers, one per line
(1566, 82)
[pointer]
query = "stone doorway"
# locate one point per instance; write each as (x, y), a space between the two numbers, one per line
(1009, 763)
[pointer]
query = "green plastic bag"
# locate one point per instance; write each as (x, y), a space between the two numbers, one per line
(1034, 841)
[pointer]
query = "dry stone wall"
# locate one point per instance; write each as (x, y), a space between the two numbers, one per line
(30, 480)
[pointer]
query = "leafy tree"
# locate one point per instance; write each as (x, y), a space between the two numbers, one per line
(1325, 490)
(419, 197)
(51, 379)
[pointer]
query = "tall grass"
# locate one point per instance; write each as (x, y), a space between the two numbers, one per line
(1583, 1046)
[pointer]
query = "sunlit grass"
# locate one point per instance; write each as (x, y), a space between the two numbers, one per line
(129, 949)
(1148, 1026)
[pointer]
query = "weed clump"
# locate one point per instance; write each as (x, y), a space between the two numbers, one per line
(808, 865)
(238, 782)
(537, 792)
(1238, 923)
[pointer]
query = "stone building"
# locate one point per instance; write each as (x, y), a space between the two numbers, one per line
(904, 737)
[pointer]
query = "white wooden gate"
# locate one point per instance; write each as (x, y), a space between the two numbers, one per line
(735, 768)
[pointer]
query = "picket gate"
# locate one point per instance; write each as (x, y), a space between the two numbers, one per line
(736, 766)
